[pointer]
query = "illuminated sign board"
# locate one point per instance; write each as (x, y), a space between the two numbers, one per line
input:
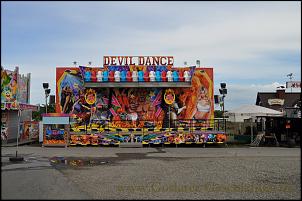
(275, 101)
(138, 60)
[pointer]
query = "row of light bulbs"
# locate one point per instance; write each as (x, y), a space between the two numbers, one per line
(185, 63)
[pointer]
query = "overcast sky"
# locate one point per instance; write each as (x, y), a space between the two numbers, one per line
(252, 46)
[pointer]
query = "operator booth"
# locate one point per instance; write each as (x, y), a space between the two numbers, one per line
(138, 99)
(56, 128)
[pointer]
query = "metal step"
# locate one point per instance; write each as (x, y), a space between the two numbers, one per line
(257, 140)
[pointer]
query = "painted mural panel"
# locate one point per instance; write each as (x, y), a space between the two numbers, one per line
(30, 130)
(69, 89)
(4, 120)
(199, 98)
(14, 89)
(134, 107)
(55, 134)
(9, 85)
(179, 137)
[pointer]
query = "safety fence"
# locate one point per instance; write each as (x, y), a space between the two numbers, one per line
(150, 125)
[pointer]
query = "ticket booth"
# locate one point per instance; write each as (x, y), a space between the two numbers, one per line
(56, 129)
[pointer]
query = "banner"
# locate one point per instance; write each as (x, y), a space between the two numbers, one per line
(138, 60)
(293, 84)
(15, 106)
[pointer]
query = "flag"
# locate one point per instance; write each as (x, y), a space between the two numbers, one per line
(113, 112)
(158, 112)
(115, 102)
(157, 100)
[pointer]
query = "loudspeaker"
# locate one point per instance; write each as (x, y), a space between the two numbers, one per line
(51, 99)
(47, 91)
(45, 85)
(216, 99)
(223, 91)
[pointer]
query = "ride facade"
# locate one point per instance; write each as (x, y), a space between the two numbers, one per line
(147, 104)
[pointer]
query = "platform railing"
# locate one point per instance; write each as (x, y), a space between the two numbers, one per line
(144, 126)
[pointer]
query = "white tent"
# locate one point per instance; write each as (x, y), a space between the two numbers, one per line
(248, 111)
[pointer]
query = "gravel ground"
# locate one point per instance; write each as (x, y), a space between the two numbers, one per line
(155, 173)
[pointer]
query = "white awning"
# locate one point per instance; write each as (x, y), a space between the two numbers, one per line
(255, 110)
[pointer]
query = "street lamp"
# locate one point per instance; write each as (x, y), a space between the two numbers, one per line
(223, 91)
(47, 92)
(75, 63)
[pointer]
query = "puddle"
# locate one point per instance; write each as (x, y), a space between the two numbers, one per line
(76, 162)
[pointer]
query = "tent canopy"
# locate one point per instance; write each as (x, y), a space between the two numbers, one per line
(255, 110)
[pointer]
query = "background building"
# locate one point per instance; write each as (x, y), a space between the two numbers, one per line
(288, 127)
(287, 102)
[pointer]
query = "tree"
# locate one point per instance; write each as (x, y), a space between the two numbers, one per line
(37, 115)
(218, 114)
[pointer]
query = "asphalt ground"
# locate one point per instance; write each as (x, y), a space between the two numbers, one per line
(151, 173)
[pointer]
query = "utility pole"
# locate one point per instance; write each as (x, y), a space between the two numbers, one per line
(290, 78)
(17, 158)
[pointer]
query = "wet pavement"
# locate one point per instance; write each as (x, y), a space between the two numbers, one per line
(152, 173)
